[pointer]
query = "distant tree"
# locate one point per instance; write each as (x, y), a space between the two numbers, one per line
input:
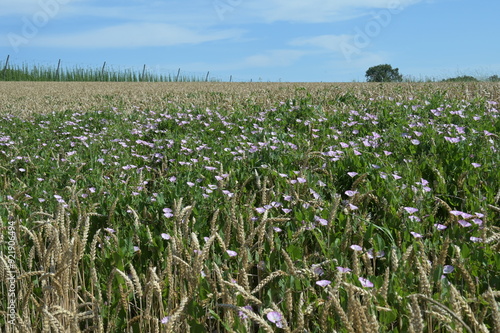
(463, 78)
(383, 73)
(494, 78)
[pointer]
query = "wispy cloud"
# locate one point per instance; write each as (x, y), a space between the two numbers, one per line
(331, 43)
(319, 11)
(135, 35)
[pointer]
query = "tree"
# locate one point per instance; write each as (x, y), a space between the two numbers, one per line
(463, 78)
(383, 73)
(494, 78)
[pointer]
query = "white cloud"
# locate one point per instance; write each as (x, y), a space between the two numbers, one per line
(326, 42)
(134, 35)
(266, 59)
(316, 11)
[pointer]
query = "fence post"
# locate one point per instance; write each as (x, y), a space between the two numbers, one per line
(58, 67)
(102, 70)
(178, 73)
(5, 67)
(143, 72)
(206, 79)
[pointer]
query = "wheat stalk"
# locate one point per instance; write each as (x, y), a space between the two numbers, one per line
(250, 314)
(447, 310)
(268, 279)
(176, 315)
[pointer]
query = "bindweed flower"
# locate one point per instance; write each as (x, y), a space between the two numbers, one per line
(320, 220)
(167, 212)
(317, 269)
(477, 221)
(242, 314)
(352, 207)
(275, 318)
(165, 236)
(323, 283)
(440, 226)
(414, 218)
(372, 254)
(365, 282)
(464, 223)
(411, 210)
(352, 174)
(165, 320)
(416, 234)
(260, 210)
(476, 239)
(351, 193)
(356, 247)
(447, 269)
(343, 269)
(232, 253)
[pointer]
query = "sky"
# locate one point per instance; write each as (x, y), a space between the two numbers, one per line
(258, 40)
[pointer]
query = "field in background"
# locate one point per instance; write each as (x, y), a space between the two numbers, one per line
(26, 98)
(250, 207)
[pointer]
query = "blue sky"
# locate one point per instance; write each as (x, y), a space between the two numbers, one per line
(268, 40)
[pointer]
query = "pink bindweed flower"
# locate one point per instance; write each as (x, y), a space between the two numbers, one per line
(165, 236)
(365, 282)
(464, 223)
(242, 314)
(317, 269)
(416, 234)
(323, 283)
(275, 318)
(351, 193)
(260, 210)
(447, 269)
(167, 212)
(232, 253)
(414, 218)
(356, 247)
(352, 207)
(440, 226)
(411, 210)
(343, 269)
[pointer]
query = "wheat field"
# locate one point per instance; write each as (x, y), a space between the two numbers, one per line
(249, 207)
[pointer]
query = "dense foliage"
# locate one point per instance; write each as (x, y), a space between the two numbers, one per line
(383, 73)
